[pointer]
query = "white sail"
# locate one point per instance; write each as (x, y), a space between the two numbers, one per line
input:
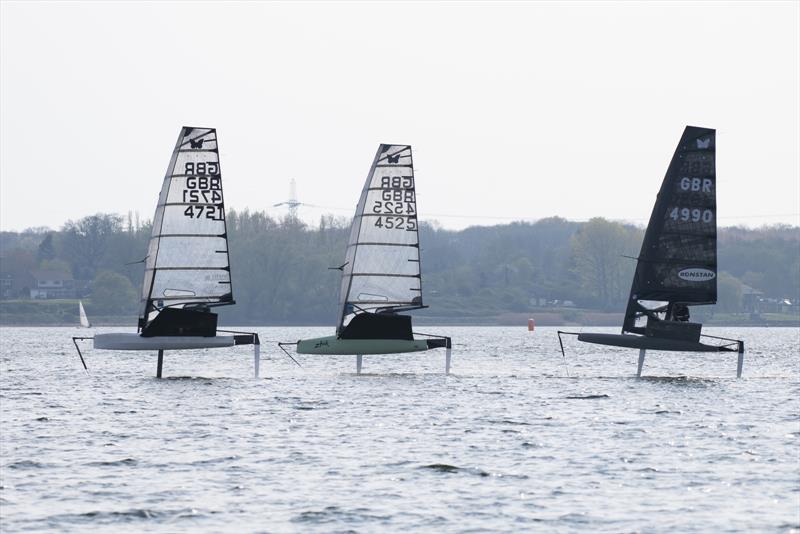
(187, 258)
(82, 313)
(382, 267)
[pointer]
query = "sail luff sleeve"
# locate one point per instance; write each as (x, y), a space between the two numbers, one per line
(152, 247)
(382, 269)
(678, 258)
(352, 249)
(188, 251)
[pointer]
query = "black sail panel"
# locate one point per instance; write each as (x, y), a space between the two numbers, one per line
(382, 269)
(678, 260)
(187, 262)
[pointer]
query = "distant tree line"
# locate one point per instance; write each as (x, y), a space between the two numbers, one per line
(281, 275)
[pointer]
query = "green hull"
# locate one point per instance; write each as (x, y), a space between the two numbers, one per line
(333, 345)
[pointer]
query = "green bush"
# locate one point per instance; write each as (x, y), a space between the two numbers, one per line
(113, 293)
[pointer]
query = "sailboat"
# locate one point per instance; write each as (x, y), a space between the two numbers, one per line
(187, 268)
(677, 266)
(381, 274)
(83, 317)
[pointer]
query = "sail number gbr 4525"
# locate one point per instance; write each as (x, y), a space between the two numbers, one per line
(203, 191)
(396, 208)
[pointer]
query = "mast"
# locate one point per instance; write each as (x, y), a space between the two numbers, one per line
(381, 273)
(677, 264)
(187, 263)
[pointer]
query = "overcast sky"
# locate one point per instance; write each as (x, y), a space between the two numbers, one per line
(520, 110)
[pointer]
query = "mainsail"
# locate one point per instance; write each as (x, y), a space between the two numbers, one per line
(382, 269)
(84, 319)
(187, 259)
(677, 265)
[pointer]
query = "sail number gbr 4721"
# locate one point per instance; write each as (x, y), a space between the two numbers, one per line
(397, 206)
(203, 191)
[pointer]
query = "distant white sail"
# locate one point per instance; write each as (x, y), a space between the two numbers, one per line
(382, 269)
(84, 319)
(187, 259)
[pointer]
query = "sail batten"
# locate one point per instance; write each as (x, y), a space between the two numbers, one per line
(382, 254)
(377, 243)
(677, 264)
(187, 262)
(387, 274)
(401, 215)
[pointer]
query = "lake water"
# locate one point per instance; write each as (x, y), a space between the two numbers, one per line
(508, 443)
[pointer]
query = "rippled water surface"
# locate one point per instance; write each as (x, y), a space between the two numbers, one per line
(507, 443)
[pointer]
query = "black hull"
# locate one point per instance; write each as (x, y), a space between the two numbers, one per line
(652, 343)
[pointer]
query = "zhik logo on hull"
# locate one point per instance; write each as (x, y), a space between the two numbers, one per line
(697, 274)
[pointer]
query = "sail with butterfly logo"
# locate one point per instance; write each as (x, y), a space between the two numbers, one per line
(677, 265)
(381, 274)
(187, 264)
(186, 268)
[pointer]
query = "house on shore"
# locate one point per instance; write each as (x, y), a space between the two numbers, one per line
(52, 284)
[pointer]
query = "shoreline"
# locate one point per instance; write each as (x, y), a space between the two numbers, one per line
(65, 314)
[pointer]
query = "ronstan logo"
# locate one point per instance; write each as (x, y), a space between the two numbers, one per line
(696, 274)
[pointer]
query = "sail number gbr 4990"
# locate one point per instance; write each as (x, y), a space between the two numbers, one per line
(697, 188)
(203, 191)
(396, 208)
